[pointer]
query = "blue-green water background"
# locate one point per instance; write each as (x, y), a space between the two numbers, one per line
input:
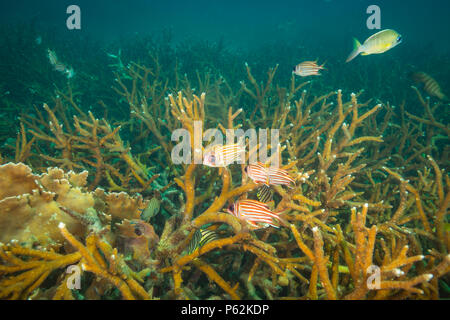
(244, 22)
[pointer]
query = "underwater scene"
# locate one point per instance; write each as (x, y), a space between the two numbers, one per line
(224, 150)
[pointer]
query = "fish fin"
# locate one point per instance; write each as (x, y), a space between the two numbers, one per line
(253, 225)
(356, 50)
(280, 211)
(283, 222)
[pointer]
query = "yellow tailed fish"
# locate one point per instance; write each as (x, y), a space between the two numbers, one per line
(378, 43)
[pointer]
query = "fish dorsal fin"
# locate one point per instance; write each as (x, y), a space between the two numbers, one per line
(376, 35)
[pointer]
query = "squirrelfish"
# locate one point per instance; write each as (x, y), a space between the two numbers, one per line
(279, 176)
(222, 156)
(308, 68)
(257, 172)
(429, 85)
(378, 43)
(255, 213)
(268, 176)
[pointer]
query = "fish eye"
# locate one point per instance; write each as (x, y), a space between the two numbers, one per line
(399, 38)
(246, 169)
(231, 208)
(137, 231)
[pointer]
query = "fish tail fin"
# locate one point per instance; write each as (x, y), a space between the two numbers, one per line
(356, 50)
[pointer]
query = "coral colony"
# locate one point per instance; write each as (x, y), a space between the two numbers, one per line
(92, 205)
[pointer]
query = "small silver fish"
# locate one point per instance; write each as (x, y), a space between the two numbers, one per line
(58, 65)
(308, 68)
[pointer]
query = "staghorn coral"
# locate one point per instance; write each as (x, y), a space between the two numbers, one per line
(33, 266)
(354, 209)
(91, 143)
(108, 264)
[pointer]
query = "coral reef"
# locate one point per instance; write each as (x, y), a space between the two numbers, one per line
(367, 218)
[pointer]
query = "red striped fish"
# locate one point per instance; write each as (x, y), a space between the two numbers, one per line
(429, 85)
(279, 176)
(258, 173)
(308, 68)
(222, 156)
(268, 176)
(255, 213)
